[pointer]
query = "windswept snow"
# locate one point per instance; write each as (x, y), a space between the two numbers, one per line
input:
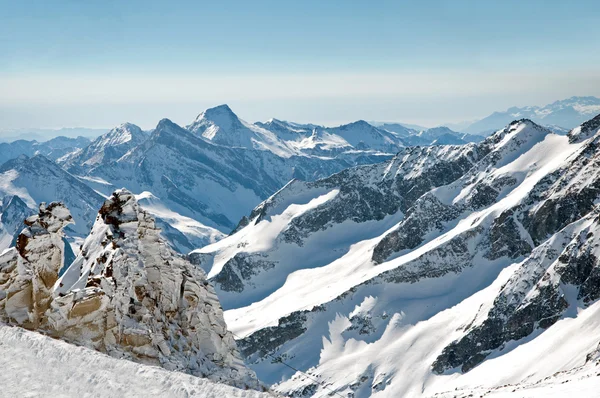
(35, 365)
(307, 288)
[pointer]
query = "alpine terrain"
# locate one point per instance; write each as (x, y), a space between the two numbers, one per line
(445, 271)
(301, 260)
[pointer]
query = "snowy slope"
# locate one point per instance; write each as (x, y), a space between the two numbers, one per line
(49, 367)
(183, 233)
(325, 218)
(38, 179)
(446, 279)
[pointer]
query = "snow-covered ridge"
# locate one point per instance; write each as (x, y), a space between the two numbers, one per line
(108, 147)
(39, 179)
(427, 280)
(221, 126)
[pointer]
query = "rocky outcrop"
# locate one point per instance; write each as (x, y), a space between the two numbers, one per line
(29, 271)
(127, 294)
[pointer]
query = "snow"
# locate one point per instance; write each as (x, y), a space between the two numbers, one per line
(263, 235)
(411, 323)
(197, 233)
(343, 361)
(221, 126)
(305, 289)
(36, 365)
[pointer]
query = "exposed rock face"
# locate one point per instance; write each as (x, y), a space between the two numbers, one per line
(536, 296)
(29, 271)
(127, 294)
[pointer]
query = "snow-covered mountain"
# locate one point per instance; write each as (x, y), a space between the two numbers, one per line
(221, 126)
(211, 183)
(199, 182)
(53, 149)
(441, 135)
(39, 179)
(12, 213)
(446, 268)
(567, 114)
(107, 148)
(127, 294)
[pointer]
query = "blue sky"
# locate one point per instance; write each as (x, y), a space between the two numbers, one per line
(98, 63)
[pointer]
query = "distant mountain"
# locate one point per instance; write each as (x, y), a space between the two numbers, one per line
(390, 125)
(107, 148)
(211, 183)
(441, 135)
(361, 135)
(567, 114)
(53, 149)
(221, 126)
(314, 140)
(39, 179)
(9, 135)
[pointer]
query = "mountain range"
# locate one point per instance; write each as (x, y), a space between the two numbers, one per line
(358, 260)
(440, 270)
(564, 114)
(198, 181)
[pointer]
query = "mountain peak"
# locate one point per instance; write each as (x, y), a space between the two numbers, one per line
(223, 108)
(586, 130)
(120, 208)
(219, 116)
(165, 124)
(357, 124)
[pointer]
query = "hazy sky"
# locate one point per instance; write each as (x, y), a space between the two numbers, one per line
(100, 63)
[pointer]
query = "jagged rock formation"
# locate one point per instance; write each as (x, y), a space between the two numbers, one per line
(29, 270)
(126, 294)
